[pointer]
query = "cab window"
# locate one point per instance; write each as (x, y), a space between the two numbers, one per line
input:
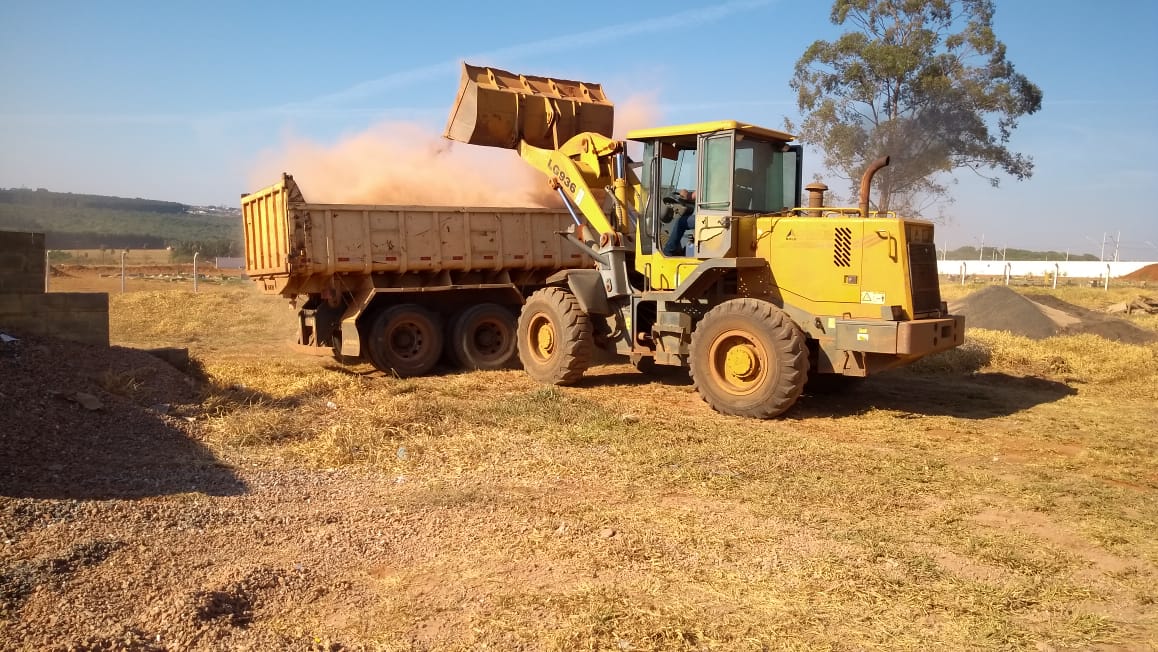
(668, 166)
(717, 192)
(765, 177)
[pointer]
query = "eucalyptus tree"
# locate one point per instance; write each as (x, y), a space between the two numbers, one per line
(924, 81)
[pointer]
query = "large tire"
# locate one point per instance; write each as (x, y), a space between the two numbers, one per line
(555, 340)
(483, 337)
(748, 359)
(405, 340)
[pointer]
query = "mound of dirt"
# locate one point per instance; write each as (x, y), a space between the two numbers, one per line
(1040, 316)
(1096, 323)
(1148, 273)
(84, 421)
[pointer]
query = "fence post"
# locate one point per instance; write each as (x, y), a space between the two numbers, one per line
(195, 254)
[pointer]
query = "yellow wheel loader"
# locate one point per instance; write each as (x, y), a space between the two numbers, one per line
(765, 296)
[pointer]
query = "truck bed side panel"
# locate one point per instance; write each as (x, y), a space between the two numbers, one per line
(288, 240)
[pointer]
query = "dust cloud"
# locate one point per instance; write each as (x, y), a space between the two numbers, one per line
(409, 163)
(636, 112)
(404, 163)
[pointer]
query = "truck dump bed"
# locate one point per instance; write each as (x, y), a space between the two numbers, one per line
(289, 242)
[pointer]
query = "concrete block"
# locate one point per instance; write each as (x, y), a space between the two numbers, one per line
(76, 316)
(22, 264)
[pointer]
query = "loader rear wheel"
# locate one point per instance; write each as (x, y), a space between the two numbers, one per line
(555, 337)
(748, 359)
(406, 340)
(483, 337)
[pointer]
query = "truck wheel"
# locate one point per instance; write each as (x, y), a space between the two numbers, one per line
(483, 337)
(748, 359)
(405, 340)
(555, 341)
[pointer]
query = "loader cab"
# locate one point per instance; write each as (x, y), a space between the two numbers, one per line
(736, 170)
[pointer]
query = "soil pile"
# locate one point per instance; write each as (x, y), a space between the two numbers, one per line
(83, 421)
(1040, 316)
(119, 530)
(1148, 273)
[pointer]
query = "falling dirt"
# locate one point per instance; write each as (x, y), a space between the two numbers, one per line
(1040, 316)
(409, 163)
(404, 163)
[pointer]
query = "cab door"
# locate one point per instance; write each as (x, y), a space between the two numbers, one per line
(715, 237)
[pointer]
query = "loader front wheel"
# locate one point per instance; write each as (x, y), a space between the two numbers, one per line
(406, 340)
(483, 337)
(555, 338)
(748, 359)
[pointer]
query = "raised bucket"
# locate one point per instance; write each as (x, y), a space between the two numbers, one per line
(497, 108)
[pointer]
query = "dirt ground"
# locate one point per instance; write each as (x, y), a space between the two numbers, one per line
(144, 507)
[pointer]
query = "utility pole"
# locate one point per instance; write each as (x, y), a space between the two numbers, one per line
(1102, 256)
(981, 254)
(1117, 241)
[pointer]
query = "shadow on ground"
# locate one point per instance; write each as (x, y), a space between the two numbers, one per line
(977, 396)
(126, 453)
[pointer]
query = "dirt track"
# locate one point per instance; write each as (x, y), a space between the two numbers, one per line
(621, 513)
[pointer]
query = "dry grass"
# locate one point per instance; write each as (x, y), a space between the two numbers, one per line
(1000, 496)
(113, 256)
(239, 319)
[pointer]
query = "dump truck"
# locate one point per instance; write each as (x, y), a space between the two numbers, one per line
(765, 296)
(404, 287)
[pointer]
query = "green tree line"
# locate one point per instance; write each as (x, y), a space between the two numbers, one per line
(997, 253)
(90, 226)
(67, 200)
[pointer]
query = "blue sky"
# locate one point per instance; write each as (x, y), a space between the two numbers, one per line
(176, 100)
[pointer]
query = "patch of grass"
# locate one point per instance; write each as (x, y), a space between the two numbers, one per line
(1083, 358)
(626, 514)
(123, 383)
(217, 318)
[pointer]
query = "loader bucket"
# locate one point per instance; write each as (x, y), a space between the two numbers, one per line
(496, 108)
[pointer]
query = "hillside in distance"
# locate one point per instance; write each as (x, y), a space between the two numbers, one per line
(80, 221)
(1009, 253)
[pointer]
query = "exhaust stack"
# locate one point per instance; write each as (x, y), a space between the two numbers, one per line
(496, 108)
(866, 183)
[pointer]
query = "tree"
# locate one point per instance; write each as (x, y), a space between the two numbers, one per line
(923, 81)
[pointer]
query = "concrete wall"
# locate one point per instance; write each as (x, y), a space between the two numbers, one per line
(22, 266)
(25, 308)
(1040, 268)
(76, 316)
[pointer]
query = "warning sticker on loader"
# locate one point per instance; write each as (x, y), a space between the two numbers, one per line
(873, 297)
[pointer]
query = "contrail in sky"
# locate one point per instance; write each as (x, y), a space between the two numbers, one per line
(394, 80)
(329, 104)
